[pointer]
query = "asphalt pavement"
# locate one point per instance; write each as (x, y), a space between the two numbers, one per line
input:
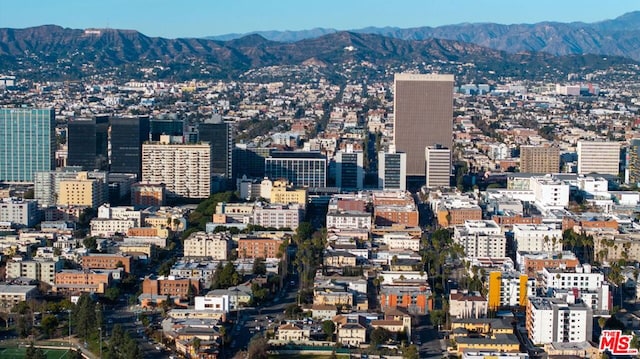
(253, 321)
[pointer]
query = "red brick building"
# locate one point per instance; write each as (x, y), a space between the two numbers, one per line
(106, 261)
(169, 286)
(258, 247)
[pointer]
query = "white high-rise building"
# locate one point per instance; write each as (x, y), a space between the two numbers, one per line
(42, 270)
(537, 238)
(581, 277)
(22, 212)
(598, 157)
(201, 244)
(392, 170)
(548, 191)
(184, 169)
(482, 238)
(437, 166)
(551, 320)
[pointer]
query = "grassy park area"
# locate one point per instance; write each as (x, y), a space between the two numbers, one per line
(19, 353)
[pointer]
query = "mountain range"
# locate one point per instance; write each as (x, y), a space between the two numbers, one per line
(52, 52)
(619, 36)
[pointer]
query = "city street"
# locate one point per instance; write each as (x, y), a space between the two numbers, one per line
(127, 319)
(254, 320)
(429, 342)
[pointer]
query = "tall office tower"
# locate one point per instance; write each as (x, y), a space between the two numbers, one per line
(543, 160)
(166, 126)
(302, 169)
(127, 136)
(598, 157)
(219, 134)
(184, 169)
(633, 162)
(423, 116)
(392, 170)
(249, 161)
(27, 143)
(81, 143)
(87, 143)
(102, 141)
(350, 170)
(438, 166)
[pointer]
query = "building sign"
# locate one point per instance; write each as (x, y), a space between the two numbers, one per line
(616, 343)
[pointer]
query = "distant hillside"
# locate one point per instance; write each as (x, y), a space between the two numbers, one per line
(281, 36)
(54, 52)
(617, 37)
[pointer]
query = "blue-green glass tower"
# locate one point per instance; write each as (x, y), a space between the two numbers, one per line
(27, 143)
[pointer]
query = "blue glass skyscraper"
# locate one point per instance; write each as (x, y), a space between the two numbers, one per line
(27, 143)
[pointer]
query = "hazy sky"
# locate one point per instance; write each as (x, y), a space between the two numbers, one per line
(196, 18)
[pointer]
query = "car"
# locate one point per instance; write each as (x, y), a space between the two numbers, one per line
(158, 348)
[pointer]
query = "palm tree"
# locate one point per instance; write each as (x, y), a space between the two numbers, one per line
(602, 321)
(616, 277)
(196, 345)
(546, 243)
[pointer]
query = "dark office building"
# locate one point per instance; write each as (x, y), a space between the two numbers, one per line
(87, 143)
(249, 161)
(220, 137)
(127, 136)
(161, 126)
(350, 170)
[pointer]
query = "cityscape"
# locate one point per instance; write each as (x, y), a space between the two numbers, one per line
(321, 194)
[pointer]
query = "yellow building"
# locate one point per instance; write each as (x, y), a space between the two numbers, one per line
(498, 343)
(138, 248)
(509, 289)
(173, 223)
(282, 193)
(82, 191)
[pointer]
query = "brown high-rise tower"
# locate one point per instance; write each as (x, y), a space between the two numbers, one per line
(423, 116)
(536, 159)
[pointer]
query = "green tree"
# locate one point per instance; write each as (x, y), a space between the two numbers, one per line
(303, 232)
(292, 311)
(112, 294)
(328, 327)
(196, 345)
(259, 294)
(85, 320)
(410, 352)
(379, 336)
(437, 317)
(259, 267)
(225, 276)
(49, 324)
(90, 243)
(23, 326)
